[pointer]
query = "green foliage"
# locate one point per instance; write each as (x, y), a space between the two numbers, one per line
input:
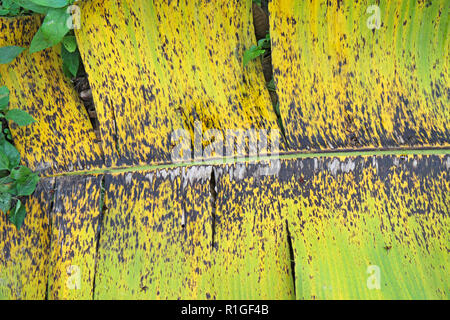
(11, 8)
(71, 60)
(252, 53)
(9, 156)
(55, 29)
(15, 180)
(264, 43)
(70, 43)
(51, 3)
(17, 215)
(9, 53)
(271, 86)
(258, 2)
(256, 51)
(20, 117)
(4, 97)
(52, 31)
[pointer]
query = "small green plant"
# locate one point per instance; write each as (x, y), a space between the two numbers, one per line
(15, 180)
(271, 85)
(256, 51)
(70, 55)
(10, 8)
(55, 28)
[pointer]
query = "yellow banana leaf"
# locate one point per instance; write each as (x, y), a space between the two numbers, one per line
(362, 75)
(156, 236)
(373, 225)
(369, 227)
(159, 66)
(252, 258)
(75, 227)
(355, 227)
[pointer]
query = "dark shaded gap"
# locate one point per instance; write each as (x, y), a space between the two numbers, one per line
(103, 208)
(291, 256)
(213, 192)
(265, 6)
(52, 191)
(83, 88)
